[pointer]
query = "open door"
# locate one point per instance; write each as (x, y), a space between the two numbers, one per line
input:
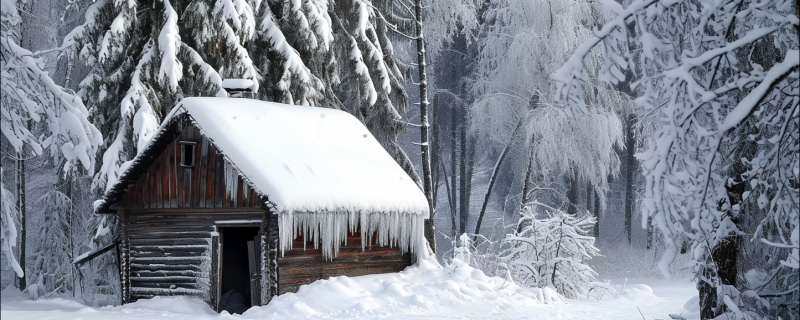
(240, 275)
(253, 257)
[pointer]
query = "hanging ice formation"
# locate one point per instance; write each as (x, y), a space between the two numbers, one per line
(231, 179)
(329, 230)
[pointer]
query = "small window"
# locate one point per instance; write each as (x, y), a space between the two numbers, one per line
(187, 153)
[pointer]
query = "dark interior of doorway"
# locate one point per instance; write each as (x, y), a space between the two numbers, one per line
(235, 282)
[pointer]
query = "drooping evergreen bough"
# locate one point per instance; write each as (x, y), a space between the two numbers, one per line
(146, 56)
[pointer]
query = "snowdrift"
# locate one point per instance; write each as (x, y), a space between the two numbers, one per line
(424, 286)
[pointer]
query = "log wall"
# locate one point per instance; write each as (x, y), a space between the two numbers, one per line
(175, 253)
(303, 266)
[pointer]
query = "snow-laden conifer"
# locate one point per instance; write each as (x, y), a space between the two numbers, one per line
(8, 232)
(142, 64)
(30, 101)
(52, 252)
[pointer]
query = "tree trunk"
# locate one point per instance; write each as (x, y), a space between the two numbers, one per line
(493, 178)
(468, 156)
(22, 221)
(592, 206)
(450, 201)
(436, 150)
(70, 224)
(630, 167)
(427, 184)
(526, 187)
(649, 233)
(596, 214)
(572, 194)
(463, 189)
(722, 264)
(454, 169)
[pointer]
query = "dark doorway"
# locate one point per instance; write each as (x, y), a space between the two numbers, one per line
(239, 283)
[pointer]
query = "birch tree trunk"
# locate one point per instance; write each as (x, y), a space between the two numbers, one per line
(493, 178)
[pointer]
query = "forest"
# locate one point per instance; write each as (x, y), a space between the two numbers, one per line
(558, 143)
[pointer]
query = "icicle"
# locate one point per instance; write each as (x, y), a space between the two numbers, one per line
(328, 230)
(231, 179)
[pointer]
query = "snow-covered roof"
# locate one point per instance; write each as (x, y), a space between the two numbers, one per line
(304, 159)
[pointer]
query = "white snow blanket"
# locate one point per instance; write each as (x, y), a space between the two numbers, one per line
(321, 168)
(306, 159)
(423, 291)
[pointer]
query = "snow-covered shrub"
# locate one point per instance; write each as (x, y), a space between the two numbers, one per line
(551, 249)
(8, 232)
(462, 252)
(478, 252)
(52, 267)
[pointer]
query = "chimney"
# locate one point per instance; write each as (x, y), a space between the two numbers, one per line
(239, 88)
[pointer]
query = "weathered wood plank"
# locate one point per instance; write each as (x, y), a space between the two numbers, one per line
(215, 272)
(173, 230)
(159, 254)
(219, 183)
(211, 179)
(161, 234)
(162, 179)
(237, 203)
(218, 211)
(166, 279)
(139, 267)
(169, 248)
(199, 190)
(167, 292)
(176, 241)
(178, 173)
(170, 260)
(192, 190)
(174, 176)
(226, 198)
(168, 273)
(288, 273)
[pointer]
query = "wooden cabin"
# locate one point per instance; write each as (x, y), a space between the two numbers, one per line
(258, 198)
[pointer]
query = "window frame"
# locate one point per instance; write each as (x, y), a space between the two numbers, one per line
(183, 161)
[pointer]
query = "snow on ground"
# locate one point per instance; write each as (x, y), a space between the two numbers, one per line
(424, 291)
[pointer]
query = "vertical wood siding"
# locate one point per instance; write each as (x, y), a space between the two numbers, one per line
(168, 185)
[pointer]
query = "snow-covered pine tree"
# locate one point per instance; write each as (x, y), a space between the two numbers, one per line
(371, 78)
(8, 228)
(52, 267)
(31, 100)
(719, 79)
(291, 39)
(142, 64)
